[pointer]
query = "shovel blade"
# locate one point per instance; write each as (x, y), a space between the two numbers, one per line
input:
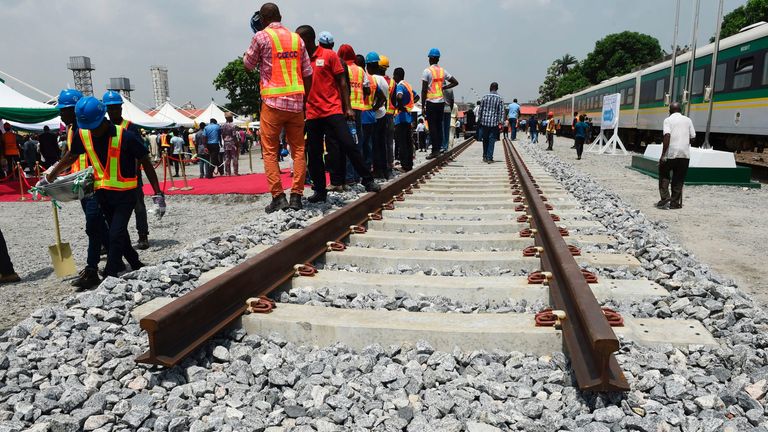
(61, 258)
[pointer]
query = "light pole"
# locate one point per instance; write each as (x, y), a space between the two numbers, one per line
(693, 57)
(715, 50)
(674, 56)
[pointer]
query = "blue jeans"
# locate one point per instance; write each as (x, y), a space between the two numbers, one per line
(490, 135)
(96, 229)
(355, 128)
(513, 128)
(534, 136)
(446, 130)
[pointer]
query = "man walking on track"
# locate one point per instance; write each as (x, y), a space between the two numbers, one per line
(286, 79)
(327, 106)
(491, 117)
(679, 133)
(433, 82)
(113, 152)
(514, 113)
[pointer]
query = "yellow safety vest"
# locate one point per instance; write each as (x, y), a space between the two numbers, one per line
(356, 95)
(286, 57)
(435, 90)
(108, 177)
(390, 96)
(82, 161)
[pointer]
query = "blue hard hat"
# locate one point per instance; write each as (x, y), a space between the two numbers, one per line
(434, 52)
(112, 97)
(284, 152)
(89, 112)
(325, 38)
(68, 98)
(372, 57)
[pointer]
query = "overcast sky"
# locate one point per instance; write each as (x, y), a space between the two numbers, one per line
(509, 41)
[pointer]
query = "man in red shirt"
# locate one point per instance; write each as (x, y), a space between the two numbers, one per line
(327, 106)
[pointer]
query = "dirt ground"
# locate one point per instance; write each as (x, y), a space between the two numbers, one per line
(725, 227)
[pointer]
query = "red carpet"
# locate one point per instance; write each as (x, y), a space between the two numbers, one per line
(244, 184)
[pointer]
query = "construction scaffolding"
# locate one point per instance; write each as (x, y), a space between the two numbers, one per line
(160, 84)
(81, 68)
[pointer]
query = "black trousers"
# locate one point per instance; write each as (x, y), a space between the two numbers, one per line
(339, 144)
(579, 143)
(142, 226)
(6, 266)
(379, 150)
(214, 159)
(117, 208)
(404, 146)
(435, 120)
(673, 171)
(422, 140)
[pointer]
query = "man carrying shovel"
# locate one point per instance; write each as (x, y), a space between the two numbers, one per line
(112, 151)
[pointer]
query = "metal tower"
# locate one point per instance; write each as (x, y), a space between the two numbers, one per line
(121, 85)
(81, 68)
(159, 84)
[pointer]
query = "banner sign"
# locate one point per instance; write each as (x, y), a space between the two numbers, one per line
(611, 104)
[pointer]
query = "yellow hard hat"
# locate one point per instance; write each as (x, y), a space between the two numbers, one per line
(383, 61)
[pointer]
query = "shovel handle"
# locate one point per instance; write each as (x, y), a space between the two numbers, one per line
(56, 226)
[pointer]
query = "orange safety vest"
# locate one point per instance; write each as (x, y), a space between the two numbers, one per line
(11, 149)
(372, 95)
(390, 102)
(286, 76)
(82, 161)
(164, 140)
(191, 139)
(356, 79)
(409, 89)
(435, 90)
(110, 178)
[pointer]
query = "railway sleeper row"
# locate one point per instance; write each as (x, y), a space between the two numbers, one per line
(460, 236)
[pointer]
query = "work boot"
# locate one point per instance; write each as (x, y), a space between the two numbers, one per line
(432, 156)
(295, 202)
(143, 243)
(371, 186)
(278, 203)
(120, 268)
(87, 279)
(316, 197)
(662, 204)
(9, 278)
(332, 188)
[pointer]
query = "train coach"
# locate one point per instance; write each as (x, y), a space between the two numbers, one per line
(740, 95)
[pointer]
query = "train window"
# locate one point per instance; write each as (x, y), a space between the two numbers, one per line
(698, 81)
(765, 70)
(742, 77)
(623, 93)
(720, 77)
(659, 90)
(630, 95)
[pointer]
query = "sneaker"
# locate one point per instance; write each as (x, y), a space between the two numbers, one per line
(295, 203)
(432, 156)
(675, 207)
(317, 197)
(9, 278)
(662, 204)
(87, 279)
(143, 243)
(371, 186)
(278, 203)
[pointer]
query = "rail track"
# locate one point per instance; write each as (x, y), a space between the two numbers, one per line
(454, 227)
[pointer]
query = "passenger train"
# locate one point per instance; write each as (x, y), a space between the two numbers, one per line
(740, 109)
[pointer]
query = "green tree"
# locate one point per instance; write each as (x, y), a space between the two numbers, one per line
(564, 64)
(752, 12)
(548, 88)
(573, 81)
(242, 87)
(618, 54)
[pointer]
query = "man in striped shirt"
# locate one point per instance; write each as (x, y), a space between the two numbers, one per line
(490, 117)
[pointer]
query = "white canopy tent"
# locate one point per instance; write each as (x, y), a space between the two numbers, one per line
(13, 103)
(168, 113)
(136, 115)
(213, 111)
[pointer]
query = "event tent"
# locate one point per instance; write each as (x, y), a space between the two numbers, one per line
(136, 115)
(168, 113)
(15, 107)
(213, 111)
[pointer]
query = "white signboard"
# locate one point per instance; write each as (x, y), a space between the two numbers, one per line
(611, 108)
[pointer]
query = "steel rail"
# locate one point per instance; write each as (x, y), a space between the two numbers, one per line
(180, 327)
(589, 340)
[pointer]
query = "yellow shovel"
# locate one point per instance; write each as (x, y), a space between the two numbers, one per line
(61, 253)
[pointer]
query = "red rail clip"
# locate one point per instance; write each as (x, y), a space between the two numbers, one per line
(523, 218)
(389, 206)
(520, 208)
(357, 229)
(306, 269)
(261, 304)
(574, 250)
(532, 251)
(536, 277)
(549, 206)
(526, 232)
(589, 276)
(518, 199)
(614, 318)
(555, 218)
(374, 216)
(336, 246)
(400, 197)
(546, 318)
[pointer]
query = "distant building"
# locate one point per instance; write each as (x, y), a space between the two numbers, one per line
(121, 85)
(81, 68)
(160, 84)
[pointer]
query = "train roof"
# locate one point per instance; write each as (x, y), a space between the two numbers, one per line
(608, 82)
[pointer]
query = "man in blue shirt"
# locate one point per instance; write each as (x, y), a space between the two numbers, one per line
(404, 97)
(514, 113)
(579, 135)
(213, 143)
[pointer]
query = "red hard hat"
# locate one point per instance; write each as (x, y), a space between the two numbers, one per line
(551, 114)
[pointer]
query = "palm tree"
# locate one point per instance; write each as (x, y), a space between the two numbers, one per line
(564, 64)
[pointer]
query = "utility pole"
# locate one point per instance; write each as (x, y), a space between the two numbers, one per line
(707, 145)
(693, 57)
(674, 56)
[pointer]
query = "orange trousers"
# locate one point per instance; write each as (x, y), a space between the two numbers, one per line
(272, 123)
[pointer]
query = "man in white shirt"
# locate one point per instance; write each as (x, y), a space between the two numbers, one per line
(675, 155)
